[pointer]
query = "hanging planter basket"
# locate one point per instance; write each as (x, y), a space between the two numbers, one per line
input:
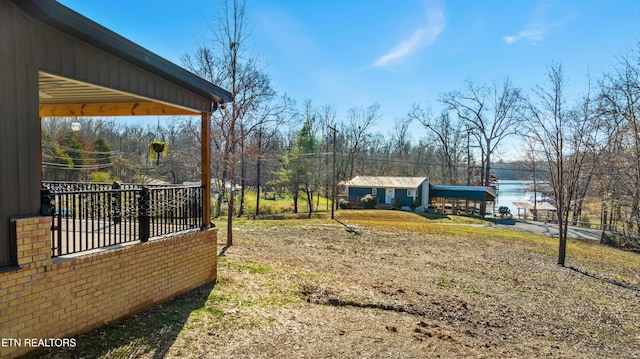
(157, 149)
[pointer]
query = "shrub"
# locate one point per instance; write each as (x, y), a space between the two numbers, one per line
(267, 208)
(284, 209)
(343, 204)
(101, 176)
(583, 221)
(504, 211)
(369, 202)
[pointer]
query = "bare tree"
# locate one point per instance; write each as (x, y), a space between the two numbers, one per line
(448, 134)
(531, 163)
(327, 115)
(566, 138)
(492, 113)
(269, 114)
(228, 63)
(620, 103)
(270, 117)
(354, 134)
(400, 137)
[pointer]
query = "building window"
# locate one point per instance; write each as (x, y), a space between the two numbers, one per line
(411, 193)
(374, 191)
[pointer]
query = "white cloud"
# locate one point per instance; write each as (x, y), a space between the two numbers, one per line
(423, 36)
(539, 26)
(534, 33)
(403, 49)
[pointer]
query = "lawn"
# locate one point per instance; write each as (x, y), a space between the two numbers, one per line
(390, 284)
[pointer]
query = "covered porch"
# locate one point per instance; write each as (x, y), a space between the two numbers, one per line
(64, 65)
(88, 216)
(93, 72)
(56, 63)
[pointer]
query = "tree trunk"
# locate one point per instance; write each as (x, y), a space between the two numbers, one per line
(258, 185)
(561, 214)
(258, 165)
(535, 188)
(230, 219)
(487, 171)
(232, 181)
(309, 200)
(562, 233)
(243, 170)
(562, 248)
(582, 193)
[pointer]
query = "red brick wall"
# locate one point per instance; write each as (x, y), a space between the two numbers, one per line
(61, 297)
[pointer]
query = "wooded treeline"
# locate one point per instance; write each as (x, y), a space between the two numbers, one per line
(586, 148)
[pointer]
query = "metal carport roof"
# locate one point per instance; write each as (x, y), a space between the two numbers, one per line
(463, 192)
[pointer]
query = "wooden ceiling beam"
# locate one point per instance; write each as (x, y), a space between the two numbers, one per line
(112, 109)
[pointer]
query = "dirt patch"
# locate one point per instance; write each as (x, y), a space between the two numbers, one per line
(407, 294)
(313, 289)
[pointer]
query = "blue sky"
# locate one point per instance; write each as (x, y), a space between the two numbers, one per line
(352, 53)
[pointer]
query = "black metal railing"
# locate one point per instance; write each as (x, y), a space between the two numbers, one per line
(90, 216)
(68, 186)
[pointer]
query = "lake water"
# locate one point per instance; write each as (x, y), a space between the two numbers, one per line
(514, 191)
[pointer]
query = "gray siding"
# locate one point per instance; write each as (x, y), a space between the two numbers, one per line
(28, 46)
(67, 57)
(19, 125)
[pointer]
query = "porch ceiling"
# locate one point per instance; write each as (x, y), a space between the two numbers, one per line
(63, 97)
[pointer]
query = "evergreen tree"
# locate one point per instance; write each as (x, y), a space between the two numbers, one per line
(297, 166)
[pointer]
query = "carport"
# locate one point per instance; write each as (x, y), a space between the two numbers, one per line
(461, 199)
(546, 207)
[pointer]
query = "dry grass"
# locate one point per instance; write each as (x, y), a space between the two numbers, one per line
(404, 287)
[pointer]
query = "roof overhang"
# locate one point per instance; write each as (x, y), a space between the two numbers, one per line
(477, 193)
(543, 206)
(62, 97)
(385, 182)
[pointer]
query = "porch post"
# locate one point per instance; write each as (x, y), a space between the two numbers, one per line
(206, 168)
(41, 164)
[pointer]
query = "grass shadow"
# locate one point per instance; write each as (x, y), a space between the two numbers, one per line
(148, 334)
(433, 216)
(283, 216)
(223, 251)
(467, 217)
(504, 221)
(607, 280)
(348, 228)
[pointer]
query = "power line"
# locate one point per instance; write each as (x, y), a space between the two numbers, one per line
(63, 166)
(46, 144)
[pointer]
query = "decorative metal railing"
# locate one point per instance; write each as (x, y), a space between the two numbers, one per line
(88, 216)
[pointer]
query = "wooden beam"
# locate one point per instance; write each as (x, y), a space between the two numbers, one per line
(112, 109)
(206, 168)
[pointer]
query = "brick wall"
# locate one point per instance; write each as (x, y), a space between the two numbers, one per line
(65, 296)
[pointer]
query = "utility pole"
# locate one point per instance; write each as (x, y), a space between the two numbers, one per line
(333, 177)
(468, 156)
